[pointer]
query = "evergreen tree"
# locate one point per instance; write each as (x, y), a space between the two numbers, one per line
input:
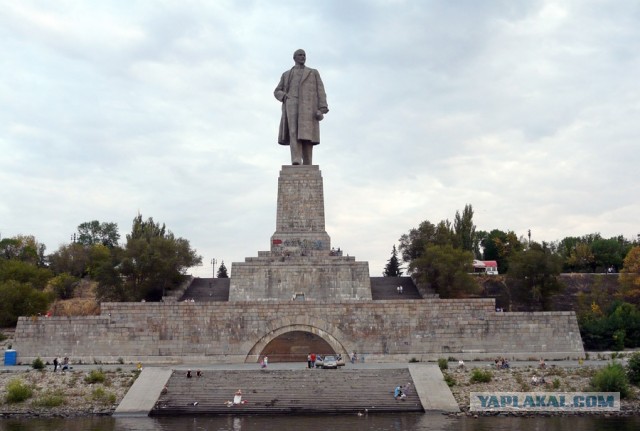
(392, 269)
(222, 271)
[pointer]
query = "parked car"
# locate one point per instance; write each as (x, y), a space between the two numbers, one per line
(330, 361)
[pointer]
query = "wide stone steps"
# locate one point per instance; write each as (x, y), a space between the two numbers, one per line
(304, 391)
(382, 288)
(207, 290)
(386, 288)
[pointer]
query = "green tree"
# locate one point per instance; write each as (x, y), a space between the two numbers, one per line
(24, 272)
(392, 269)
(464, 229)
(20, 299)
(105, 270)
(73, 259)
(609, 253)
(94, 232)
(581, 258)
(24, 248)
(222, 271)
(413, 244)
(155, 261)
(446, 270)
(500, 246)
(63, 285)
(533, 276)
(630, 275)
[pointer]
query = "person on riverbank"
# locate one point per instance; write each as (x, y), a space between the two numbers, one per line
(55, 364)
(309, 360)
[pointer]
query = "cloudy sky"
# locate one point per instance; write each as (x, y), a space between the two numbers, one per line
(528, 110)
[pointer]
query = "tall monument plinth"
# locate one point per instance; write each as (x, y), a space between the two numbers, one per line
(301, 263)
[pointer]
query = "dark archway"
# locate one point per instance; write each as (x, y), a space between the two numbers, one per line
(294, 346)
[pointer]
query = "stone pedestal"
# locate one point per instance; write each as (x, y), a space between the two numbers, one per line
(300, 264)
(300, 216)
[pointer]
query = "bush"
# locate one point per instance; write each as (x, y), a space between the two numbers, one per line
(449, 380)
(611, 378)
(633, 368)
(18, 391)
(556, 383)
(99, 394)
(95, 376)
(443, 364)
(37, 364)
(50, 399)
(480, 376)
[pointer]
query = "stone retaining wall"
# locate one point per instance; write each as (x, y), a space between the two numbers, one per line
(237, 331)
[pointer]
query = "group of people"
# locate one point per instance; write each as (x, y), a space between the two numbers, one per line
(502, 363)
(198, 374)
(311, 360)
(64, 365)
(535, 380)
(400, 392)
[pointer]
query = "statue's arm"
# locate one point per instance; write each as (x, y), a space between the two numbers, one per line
(280, 92)
(322, 96)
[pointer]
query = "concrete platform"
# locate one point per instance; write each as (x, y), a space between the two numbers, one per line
(144, 393)
(433, 391)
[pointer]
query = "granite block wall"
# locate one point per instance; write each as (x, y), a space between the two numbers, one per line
(237, 331)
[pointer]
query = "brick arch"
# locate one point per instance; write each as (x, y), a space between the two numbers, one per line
(319, 327)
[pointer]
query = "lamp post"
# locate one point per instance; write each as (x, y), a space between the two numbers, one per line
(213, 263)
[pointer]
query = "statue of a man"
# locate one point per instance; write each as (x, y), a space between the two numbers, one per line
(304, 104)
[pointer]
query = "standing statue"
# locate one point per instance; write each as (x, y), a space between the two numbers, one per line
(304, 104)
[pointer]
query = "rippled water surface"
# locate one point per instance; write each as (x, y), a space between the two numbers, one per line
(403, 422)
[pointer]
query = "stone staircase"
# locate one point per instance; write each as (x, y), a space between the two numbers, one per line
(382, 288)
(385, 288)
(207, 290)
(306, 391)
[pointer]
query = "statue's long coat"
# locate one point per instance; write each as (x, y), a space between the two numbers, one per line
(311, 98)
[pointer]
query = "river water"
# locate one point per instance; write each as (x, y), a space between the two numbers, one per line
(387, 422)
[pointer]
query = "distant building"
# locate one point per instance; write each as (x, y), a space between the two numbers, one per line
(489, 267)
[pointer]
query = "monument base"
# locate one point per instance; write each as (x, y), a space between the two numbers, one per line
(301, 264)
(316, 277)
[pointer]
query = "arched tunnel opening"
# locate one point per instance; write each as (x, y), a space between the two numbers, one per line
(294, 346)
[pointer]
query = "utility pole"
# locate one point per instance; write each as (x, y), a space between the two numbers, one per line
(213, 263)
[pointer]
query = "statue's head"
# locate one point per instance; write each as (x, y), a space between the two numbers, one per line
(299, 56)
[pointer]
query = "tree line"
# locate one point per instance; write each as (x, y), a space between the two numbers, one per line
(441, 256)
(151, 262)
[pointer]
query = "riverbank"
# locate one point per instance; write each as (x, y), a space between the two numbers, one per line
(65, 394)
(76, 393)
(519, 379)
